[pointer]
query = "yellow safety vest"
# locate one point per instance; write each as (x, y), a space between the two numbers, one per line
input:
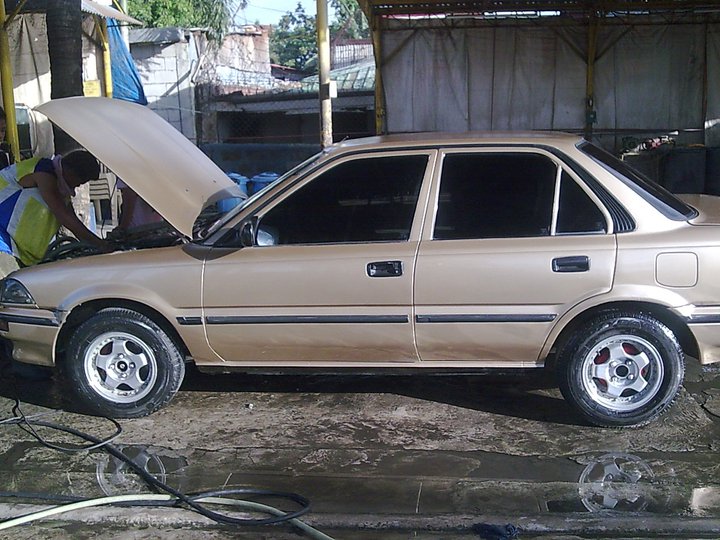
(32, 225)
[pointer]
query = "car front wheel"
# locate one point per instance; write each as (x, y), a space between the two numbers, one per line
(621, 369)
(123, 365)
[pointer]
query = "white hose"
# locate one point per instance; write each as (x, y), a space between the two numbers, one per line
(247, 505)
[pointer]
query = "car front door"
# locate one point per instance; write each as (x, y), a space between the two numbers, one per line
(329, 278)
(515, 239)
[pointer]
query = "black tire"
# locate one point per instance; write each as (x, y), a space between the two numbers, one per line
(122, 365)
(621, 369)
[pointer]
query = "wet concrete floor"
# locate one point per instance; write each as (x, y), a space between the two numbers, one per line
(379, 457)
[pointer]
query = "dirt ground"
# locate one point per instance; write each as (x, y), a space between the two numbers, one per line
(377, 457)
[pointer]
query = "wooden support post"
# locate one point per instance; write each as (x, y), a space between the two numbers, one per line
(323, 42)
(107, 65)
(380, 126)
(590, 113)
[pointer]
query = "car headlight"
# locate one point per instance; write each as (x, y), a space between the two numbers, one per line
(14, 292)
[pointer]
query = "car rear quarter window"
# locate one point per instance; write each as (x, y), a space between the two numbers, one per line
(577, 213)
(486, 195)
(654, 193)
(363, 200)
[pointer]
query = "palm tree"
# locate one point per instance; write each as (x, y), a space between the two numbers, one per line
(64, 32)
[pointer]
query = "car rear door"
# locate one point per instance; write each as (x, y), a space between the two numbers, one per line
(330, 277)
(514, 240)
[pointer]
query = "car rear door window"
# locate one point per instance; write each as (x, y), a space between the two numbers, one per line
(487, 195)
(363, 200)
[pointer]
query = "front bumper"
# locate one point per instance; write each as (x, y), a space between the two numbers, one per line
(33, 333)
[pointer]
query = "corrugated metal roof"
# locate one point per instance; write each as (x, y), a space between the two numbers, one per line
(355, 80)
(157, 35)
(88, 6)
(359, 77)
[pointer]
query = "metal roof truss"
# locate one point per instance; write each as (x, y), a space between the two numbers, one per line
(574, 8)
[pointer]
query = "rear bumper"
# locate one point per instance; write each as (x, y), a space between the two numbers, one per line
(704, 324)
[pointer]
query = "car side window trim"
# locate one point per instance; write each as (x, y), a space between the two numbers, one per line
(556, 200)
(417, 211)
(475, 195)
(621, 220)
(563, 172)
(660, 198)
(568, 175)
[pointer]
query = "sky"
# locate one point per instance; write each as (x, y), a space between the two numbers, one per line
(270, 11)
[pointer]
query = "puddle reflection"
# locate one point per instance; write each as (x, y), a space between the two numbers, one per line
(610, 483)
(115, 477)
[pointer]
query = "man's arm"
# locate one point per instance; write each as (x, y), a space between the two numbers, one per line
(129, 199)
(47, 184)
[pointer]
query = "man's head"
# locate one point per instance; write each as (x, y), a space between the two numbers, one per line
(79, 167)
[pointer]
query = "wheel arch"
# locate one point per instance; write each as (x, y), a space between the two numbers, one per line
(662, 313)
(82, 312)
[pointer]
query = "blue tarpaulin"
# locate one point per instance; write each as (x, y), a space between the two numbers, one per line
(125, 77)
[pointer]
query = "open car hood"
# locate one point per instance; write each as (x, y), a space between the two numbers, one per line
(150, 155)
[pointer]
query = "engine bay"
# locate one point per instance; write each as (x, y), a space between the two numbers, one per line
(152, 235)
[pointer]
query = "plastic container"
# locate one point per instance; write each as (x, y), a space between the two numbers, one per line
(261, 181)
(228, 204)
(240, 180)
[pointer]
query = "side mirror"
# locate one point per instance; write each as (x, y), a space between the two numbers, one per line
(247, 234)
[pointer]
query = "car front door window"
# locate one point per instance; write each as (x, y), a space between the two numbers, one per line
(362, 200)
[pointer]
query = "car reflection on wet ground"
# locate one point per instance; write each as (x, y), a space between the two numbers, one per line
(382, 457)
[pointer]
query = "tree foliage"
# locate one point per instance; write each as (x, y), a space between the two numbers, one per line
(212, 14)
(350, 21)
(293, 42)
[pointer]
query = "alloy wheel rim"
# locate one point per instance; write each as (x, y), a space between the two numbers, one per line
(120, 367)
(622, 373)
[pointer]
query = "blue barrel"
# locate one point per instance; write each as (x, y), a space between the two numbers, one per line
(241, 180)
(261, 181)
(228, 204)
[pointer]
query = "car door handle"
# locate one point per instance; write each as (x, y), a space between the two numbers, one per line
(580, 263)
(385, 269)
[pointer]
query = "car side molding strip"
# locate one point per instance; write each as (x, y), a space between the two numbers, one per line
(189, 321)
(703, 319)
(310, 319)
(35, 321)
(372, 319)
(489, 318)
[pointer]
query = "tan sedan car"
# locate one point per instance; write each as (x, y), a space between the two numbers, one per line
(425, 252)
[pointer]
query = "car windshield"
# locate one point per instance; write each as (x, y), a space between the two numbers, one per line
(218, 223)
(652, 192)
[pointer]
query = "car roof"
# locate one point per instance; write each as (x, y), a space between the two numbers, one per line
(424, 139)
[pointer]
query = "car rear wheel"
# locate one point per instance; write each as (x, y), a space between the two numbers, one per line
(621, 369)
(123, 365)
